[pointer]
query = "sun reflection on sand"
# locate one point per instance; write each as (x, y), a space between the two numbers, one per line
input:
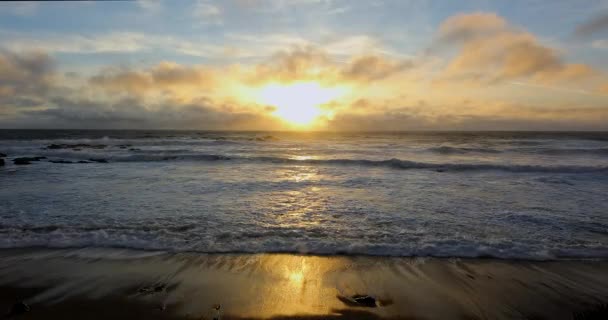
(297, 276)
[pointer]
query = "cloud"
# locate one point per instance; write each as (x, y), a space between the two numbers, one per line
(386, 93)
(134, 113)
(163, 76)
(150, 6)
(208, 13)
(114, 42)
(312, 63)
(465, 27)
(600, 44)
(490, 50)
(21, 8)
(24, 75)
(371, 67)
(592, 26)
(466, 114)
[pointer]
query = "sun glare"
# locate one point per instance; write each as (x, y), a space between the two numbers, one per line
(298, 103)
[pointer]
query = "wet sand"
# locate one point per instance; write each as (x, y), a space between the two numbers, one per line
(124, 284)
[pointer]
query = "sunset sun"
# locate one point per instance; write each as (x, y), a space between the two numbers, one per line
(298, 103)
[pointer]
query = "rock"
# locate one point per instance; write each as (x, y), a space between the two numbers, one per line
(60, 161)
(19, 308)
(217, 312)
(359, 301)
(2, 155)
(266, 138)
(21, 161)
(77, 146)
(99, 160)
(82, 161)
(364, 300)
(599, 311)
(26, 160)
(153, 289)
(440, 170)
(1, 162)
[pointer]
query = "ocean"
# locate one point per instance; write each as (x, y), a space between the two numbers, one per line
(510, 195)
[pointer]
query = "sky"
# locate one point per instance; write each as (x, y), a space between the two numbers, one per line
(305, 65)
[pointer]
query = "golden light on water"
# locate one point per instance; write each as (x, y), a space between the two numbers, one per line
(299, 103)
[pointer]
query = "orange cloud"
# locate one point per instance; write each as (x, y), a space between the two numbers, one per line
(491, 50)
(465, 27)
(313, 64)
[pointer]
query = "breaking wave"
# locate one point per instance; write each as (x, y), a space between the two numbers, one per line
(456, 150)
(447, 150)
(388, 163)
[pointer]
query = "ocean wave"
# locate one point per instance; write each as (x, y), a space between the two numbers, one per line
(176, 155)
(447, 150)
(461, 150)
(571, 151)
(405, 165)
(179, 240)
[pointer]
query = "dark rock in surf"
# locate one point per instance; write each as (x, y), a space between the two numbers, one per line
(99, 160)
(153, 289)
(19, 308)
(364, 300)
(359, 301)
(82, 161)
(21, 161)
(1, 162)
(60, 161)
(599, 311)
(26, 160)
(75, 147)
(2, 155)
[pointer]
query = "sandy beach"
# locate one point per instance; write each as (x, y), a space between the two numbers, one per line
(125, 284)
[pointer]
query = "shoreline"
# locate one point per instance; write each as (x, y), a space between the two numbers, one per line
(338, 254)
(82, 283)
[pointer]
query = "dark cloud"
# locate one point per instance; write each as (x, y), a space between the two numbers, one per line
(159, 77)
(24, 74)
(592, 26)
(521, 118)
(131, 112)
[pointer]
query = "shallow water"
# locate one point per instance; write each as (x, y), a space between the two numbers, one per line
(506, 195)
